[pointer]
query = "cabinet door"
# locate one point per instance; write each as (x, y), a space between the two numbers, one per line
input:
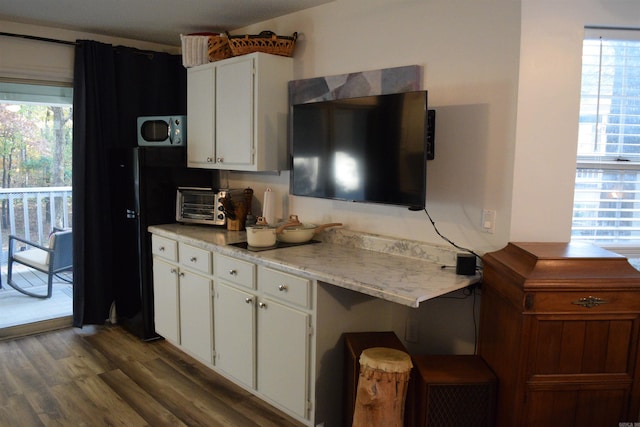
(201, 112)
(580, 369)
(234, 323)
(234, 116)
(283, 355)
(196, 331)
(165, 300)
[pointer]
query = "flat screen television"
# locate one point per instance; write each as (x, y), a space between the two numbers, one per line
(370, 149)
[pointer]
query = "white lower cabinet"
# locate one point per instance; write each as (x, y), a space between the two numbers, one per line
(283, 355)
(234, 320)
(196, 331)
(165, 297)
(262, 334)
(182, 303)
(271, 332)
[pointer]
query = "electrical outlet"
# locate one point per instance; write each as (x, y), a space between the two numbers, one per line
(411, 331)
(488, 221)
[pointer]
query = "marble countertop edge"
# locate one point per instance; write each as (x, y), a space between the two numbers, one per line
(338, 261)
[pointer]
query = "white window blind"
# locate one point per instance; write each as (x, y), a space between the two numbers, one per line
(607, 190)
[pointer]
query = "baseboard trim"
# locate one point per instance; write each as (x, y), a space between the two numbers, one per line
(35, 327)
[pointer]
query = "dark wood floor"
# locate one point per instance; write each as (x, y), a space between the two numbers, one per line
(103, 376)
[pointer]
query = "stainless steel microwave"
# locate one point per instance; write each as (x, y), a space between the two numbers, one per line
(162, 131)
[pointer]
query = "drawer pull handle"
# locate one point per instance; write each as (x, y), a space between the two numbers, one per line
(181, 274)
(283, 288)
(590, 302)
(262, 305)
(248, 300)
(161, 248)
(173, 271)
(233, 272)
(193, 259)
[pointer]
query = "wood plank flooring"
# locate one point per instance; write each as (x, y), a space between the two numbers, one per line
(104, 376)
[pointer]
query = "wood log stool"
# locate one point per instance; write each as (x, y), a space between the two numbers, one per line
(354, 344)
(382, 388)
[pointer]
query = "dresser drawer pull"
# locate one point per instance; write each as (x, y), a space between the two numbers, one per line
(233, 272)
(590, 302)
(161, 248)
(248, 300)
(283, 288)
(193, 259)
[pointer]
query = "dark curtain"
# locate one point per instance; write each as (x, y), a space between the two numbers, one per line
(112, 87)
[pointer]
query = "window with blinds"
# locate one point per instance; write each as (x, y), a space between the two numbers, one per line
(607, 189)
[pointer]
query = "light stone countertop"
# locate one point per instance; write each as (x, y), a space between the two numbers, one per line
(401, 271)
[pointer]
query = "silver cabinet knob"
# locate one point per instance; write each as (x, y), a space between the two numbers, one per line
(233, 272)
(173, 271)
(219, 159)
(283, 288)
(181, 274)
(209, 159)
(161, 248)
(262, 305)
(193, 259)
(248, 300)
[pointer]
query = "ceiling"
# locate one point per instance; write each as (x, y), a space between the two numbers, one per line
(159, 21)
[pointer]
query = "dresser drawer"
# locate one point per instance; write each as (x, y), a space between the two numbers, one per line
(195, 258)
(284, 286)
(591, 301)
(165, 248)
(235, 271)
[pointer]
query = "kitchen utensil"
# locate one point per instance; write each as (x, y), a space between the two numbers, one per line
(228, 207)
(248, 199)
(269, 206)
(297, 232)
(262, 234)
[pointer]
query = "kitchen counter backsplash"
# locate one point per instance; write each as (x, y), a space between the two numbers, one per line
(390, 245)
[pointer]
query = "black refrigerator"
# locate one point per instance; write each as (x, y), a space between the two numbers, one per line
(144, 194)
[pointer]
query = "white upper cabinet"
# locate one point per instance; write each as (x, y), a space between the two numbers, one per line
(237, 113)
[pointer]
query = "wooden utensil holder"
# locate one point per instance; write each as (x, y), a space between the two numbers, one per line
(237, 224)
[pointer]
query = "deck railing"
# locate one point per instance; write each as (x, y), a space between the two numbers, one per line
(32, 213)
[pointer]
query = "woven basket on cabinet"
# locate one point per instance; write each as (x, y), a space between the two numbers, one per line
(266, 42)
(219, 48)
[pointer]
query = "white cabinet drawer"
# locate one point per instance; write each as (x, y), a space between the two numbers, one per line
(235, 271)
(284, 286)
(165, 248)
(195, 258)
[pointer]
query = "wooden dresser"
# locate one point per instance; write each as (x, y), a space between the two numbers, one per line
(559, 326)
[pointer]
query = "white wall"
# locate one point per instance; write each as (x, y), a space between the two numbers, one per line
(469, 51)
(548, 108)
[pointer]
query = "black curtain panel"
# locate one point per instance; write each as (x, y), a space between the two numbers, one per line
(112, 87)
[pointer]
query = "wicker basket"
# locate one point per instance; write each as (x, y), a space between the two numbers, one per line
(266, 42)
(219, 48)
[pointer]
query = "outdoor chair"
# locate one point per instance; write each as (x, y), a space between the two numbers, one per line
(51, 260)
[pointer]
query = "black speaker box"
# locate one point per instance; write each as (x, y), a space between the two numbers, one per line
(453, 390)
(466, 264)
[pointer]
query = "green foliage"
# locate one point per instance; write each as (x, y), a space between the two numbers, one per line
(35, 145)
